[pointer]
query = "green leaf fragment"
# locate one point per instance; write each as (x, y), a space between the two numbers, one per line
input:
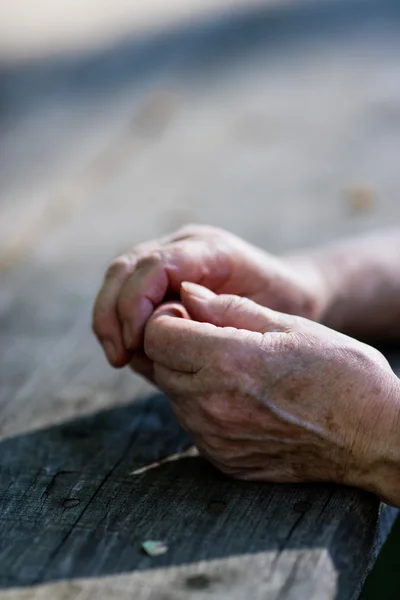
(154, 547)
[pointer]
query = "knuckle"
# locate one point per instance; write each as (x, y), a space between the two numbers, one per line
(236, 302)
(150, 259)
(284, 346)
(197, 230)
(191, 229)
(232, 304)
(119, 267)
(188, 230)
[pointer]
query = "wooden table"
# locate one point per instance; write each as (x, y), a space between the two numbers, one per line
(242, 124)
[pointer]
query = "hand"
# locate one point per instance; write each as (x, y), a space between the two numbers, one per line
(138, 281)
(269, 396)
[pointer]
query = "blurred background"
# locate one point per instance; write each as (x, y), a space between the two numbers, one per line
(122, 120)
(277, 120)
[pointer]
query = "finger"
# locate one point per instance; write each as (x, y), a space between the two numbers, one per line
(162, 271)
(175, 384)
(280, 474)
(143, 366)
(178, 343)
(106, 324)
(231, 311)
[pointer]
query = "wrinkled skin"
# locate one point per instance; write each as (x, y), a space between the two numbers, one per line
(269, 396)
(265, 395)
(139, 280)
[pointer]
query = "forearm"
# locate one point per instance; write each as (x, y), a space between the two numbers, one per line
(358, 284)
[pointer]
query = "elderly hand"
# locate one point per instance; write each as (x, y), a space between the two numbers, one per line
(138, 281)
(269, 396)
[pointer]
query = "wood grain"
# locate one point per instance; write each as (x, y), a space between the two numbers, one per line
(72, 509)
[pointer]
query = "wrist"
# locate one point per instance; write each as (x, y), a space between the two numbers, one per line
(380, 463)
(312, 278)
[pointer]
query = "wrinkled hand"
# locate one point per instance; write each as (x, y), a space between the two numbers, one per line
(138, 281)
(269, 396)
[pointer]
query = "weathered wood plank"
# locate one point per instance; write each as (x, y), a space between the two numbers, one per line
(303, 541)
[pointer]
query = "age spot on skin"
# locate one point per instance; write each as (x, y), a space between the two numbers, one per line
(298, 390)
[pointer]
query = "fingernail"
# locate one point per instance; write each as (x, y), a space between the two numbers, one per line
(170, 310)
(127, 335)
(110, 351)
(196, 290)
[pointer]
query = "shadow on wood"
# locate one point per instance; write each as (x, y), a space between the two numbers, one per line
(70, 507)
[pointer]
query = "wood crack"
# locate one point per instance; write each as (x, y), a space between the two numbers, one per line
(40, 577)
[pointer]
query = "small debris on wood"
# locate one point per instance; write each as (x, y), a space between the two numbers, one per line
(188, 453)
(154, 547)
(217, 506)
(71, 502)
(302, 506)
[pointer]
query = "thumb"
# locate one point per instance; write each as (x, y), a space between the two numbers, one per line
(227, 310)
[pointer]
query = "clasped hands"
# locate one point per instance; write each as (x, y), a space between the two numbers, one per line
(264, 389)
